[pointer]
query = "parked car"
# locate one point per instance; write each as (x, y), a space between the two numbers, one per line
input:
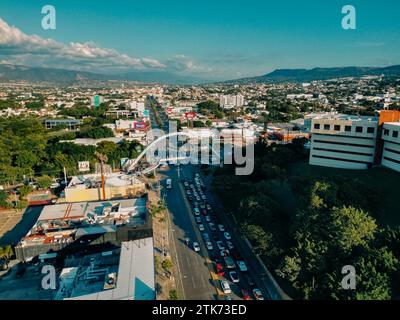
(221, 228)
(225, 287)
(208, 207)
(198, 219)
(212, 226)
(209, 245)
(196, 246)
(196, 211)
(201, 227)
(258, 294)
(234, 276)
(230, 245)
(208, 218)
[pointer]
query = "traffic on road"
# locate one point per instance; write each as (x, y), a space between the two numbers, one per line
(229, 266)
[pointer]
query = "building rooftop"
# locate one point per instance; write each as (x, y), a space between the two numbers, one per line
(124, 275)
(347, 117)
(62, 223)
(89, 181)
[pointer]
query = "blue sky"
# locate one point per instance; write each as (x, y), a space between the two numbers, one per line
(212, 39)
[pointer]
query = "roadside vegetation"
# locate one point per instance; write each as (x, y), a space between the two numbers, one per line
(28, 150)
(307, 227)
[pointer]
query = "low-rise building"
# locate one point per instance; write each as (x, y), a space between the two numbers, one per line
(89, 187)
(126, 273)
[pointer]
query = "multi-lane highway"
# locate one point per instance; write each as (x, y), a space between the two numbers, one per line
(197, 276)
(194, 274)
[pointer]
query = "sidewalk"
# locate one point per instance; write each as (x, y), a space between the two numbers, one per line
(165, 280)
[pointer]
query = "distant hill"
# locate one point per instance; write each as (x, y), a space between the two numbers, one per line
(16, 72)
(33, 74)
(305, 75)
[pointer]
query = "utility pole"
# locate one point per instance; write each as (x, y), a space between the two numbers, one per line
(102, 158)
(65, 176)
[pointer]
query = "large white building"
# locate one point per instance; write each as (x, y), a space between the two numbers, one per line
(391, 145)
(343, 141)
(231, 101)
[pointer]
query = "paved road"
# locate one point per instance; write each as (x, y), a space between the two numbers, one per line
(192, 266)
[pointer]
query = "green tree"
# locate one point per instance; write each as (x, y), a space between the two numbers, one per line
(44, 182)
(352, 227)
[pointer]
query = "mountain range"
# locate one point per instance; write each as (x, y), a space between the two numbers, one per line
(36, 74)
(305, 75)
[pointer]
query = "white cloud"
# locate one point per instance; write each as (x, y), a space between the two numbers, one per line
(16, 47)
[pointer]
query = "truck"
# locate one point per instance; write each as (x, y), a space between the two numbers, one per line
(230, 264)
(169, 183)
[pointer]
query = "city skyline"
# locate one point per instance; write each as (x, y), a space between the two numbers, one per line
(213, 41)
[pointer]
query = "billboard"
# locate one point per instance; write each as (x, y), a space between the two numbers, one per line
(146, 113)
(190, 115)
(140, 125)
(83, 166)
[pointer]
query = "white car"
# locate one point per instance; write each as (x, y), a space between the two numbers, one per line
(196, 246)
(234, 276)
(220, 245)
(221, 228)
(196, 211)
(230, 245)
(227, 236)
(209, 245)
(258, 294)
(242, 266)
(201, 227)
(54, 185)
(225, 287)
